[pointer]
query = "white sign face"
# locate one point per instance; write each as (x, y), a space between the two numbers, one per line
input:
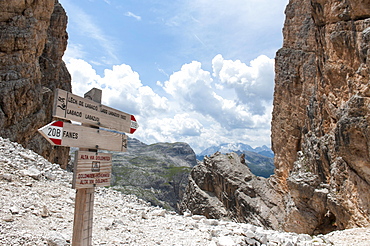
(53, 132)
(92, 170)
(71, 107)
(70, 135)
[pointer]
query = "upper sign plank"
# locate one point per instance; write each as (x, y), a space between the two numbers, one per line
(71, 107)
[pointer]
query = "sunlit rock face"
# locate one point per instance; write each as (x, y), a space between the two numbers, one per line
(33, 39)
(320, 130)
(321, 116)
(223, 187)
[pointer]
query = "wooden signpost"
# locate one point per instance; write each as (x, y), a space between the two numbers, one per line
(71, 107)
(91, 169)
(71, 135)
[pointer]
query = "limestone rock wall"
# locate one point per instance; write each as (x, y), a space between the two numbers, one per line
(320, 130)
(222, 186)
(33, 39)
(321, 116)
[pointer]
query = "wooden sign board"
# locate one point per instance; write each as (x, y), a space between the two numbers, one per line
(92, 170)
(71, 135)
(72, 107)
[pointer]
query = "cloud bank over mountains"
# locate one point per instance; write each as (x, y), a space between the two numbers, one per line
(190, 71)
(232, 102)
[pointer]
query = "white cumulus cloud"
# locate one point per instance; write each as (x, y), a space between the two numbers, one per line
(196, 106)
(253, 85)
(122, 88)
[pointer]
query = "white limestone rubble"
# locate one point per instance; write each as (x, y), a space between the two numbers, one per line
(37, 206)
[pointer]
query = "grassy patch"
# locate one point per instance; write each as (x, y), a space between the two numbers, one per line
(172, 171)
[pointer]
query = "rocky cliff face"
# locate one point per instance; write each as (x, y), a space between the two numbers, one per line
(33, 39)
(320, 129)
(157, 173)
(222, 186)
(320, 126)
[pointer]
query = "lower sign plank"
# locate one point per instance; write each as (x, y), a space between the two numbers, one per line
(70, 135)
(92, 170)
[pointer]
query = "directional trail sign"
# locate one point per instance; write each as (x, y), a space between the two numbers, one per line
(93, 170)
(71, 135)
(72, 107)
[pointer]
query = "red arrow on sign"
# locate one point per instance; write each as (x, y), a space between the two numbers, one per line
(54, 131)
(71, 135)
(134, 124)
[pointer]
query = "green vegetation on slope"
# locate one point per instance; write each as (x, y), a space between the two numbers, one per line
(157, 173)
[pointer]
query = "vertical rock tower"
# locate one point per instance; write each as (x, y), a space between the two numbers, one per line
(33, 39)
(321, 116)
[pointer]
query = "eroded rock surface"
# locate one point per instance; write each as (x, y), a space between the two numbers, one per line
(320, 130)
(222, 186)
(33, 39)
(320, 127)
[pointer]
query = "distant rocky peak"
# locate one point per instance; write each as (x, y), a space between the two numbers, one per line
(133, 144)
(263, 148)
(235, 147)
(231, 147)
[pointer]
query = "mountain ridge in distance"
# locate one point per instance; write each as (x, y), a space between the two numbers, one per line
(234, 147)
(260, 160)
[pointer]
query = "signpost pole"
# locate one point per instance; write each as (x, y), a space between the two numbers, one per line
(84, 200)
(91, 169)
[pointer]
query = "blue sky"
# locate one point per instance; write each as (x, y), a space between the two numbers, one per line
(195, 71)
